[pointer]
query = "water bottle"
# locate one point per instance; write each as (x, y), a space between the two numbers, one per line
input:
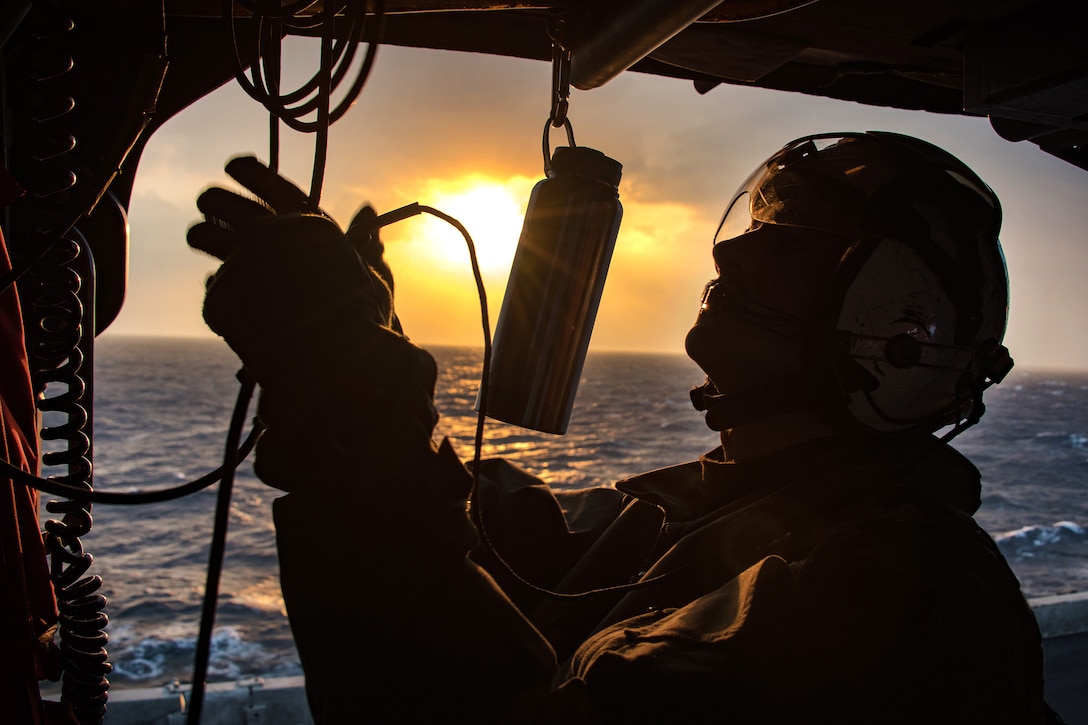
(554, 290)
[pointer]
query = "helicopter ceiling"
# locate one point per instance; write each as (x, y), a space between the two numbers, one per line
(1022, 63)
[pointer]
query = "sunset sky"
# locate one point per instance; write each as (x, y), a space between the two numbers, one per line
(462, 133)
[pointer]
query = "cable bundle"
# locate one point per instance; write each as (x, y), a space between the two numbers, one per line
(262, 79)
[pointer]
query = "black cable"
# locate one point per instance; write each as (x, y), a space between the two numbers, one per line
(340, 58)
(273, 61)
(485, 372)
(58, 488)
(323, 100)
(218, 548)
(315, 94)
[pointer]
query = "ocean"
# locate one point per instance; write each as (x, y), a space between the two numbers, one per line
(163, 406)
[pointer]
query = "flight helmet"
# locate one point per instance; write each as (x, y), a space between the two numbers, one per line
(909, 332)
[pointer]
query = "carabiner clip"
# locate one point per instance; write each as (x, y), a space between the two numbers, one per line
(560, 85)
(561, 61)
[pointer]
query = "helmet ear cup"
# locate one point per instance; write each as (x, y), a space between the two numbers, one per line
(894, 323)
(902, 362)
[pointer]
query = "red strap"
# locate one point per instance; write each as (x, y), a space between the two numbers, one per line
(27, 605)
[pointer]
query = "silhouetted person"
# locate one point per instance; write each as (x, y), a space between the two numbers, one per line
(821, 565)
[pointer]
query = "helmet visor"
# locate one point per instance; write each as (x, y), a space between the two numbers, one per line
(837, 182)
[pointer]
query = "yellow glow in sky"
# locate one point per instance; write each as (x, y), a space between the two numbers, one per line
(661, 246)
(436, 296)
(490, 209)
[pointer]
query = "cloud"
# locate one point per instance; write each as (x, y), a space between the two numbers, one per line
(435, 115)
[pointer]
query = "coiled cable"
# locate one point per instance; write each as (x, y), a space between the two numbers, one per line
(57, 289)
(59, 352)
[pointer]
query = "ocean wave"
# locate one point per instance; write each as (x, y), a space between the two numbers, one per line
(146, 659)
(1064, 538)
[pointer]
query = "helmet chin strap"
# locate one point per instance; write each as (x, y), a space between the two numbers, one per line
(729, 410)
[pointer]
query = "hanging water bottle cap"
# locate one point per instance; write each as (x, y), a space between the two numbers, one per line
(587, 162)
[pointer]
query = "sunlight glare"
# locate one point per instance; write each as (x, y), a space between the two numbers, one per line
(490, 209)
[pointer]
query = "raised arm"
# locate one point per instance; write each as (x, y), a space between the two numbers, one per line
(391, 619)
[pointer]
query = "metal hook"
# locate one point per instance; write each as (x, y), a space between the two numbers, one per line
(561, 62)
(548, 144)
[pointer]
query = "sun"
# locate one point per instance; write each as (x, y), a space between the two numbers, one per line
(490, 209)
(437, 298)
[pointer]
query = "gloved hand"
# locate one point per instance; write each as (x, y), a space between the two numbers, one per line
(309, 310)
